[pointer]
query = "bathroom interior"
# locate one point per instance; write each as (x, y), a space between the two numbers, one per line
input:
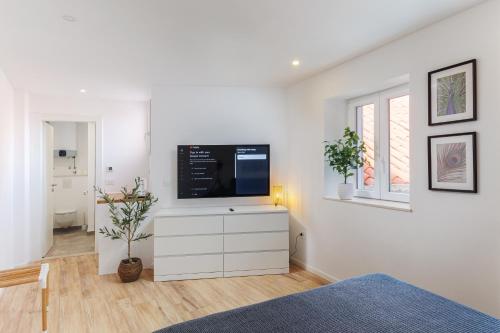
(73, 220)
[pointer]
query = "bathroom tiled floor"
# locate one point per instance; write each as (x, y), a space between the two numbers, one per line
(71, 241)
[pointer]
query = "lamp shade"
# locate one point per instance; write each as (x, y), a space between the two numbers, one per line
(278, 194)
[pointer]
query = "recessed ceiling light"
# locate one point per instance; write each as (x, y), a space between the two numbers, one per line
(69, 18)
(295, 62)
(83, 91)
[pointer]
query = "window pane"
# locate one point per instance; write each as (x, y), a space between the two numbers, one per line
(366, 129)
(399, 144)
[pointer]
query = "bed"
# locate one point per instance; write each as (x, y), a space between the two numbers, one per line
(372, 303)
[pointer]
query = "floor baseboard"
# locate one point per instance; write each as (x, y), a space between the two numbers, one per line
(70, 255)
(314, 270)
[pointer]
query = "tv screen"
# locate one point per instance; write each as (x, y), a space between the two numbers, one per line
(211, 171)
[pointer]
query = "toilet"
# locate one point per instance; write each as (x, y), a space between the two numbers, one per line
(64, 218)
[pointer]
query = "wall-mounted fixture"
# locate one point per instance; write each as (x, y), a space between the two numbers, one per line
(64, 153)
(69, 18)
(278, 194)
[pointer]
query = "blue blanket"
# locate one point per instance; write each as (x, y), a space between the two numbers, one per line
(374, 303)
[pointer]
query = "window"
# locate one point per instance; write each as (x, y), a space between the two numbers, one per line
(382, 121)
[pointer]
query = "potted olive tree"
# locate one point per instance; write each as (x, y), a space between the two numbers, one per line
(344, 156)
(126, 221)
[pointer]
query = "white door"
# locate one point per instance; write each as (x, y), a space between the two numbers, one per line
(91, 199)
(49, 187)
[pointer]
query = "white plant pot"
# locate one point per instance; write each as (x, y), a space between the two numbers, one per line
(345, 191)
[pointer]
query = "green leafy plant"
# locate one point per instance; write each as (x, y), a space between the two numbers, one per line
(345, 154)
(127, 219)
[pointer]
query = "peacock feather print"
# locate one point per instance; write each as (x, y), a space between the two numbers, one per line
(451, 163)
(451, 94)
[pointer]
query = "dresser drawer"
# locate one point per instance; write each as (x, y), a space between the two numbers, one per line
(256, 242)
(256, 222)
(255, 261)
(188, 264)
(175, 245)
(188, 225)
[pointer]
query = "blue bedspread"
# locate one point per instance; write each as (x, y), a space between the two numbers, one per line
(373, 303)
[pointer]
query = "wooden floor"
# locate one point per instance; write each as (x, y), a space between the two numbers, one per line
(82, 301)
(71, 241)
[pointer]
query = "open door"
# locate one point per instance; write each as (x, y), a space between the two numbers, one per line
(91, 199)
(49, 187)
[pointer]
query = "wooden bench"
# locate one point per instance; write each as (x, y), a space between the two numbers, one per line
(30, 274)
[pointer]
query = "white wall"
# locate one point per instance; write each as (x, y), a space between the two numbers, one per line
(121, 129)
(65, 135)
(21, 194)
(71, 136)
(204, 115)
(69, 195)
(124, 125)
(70, 189)
(6, 172)
(213, 115)
(82, 148)
(450, 243)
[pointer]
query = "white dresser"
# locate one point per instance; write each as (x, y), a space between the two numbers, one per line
(197, 243)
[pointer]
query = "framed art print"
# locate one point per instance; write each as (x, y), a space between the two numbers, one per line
(452, 94)
(452, 162)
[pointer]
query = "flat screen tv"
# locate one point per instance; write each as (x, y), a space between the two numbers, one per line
(211, 171)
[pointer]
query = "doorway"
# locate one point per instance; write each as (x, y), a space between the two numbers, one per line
(69, 163)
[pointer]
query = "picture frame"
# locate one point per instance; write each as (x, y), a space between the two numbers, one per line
(452, 94)
(452, 162)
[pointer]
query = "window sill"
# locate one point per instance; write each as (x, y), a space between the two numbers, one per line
(400, 206)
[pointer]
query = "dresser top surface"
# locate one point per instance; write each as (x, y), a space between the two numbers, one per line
(193, 211)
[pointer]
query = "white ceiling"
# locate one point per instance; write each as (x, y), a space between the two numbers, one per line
(119, 49)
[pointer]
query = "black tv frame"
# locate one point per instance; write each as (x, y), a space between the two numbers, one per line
(268, 193)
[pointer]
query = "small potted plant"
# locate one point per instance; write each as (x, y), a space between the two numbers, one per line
(127, 220)
(345, 155)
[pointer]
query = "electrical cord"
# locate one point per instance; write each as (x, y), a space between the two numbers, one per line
(295, 247)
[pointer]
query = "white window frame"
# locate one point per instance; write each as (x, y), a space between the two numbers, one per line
(380, 100)
(355, 123)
